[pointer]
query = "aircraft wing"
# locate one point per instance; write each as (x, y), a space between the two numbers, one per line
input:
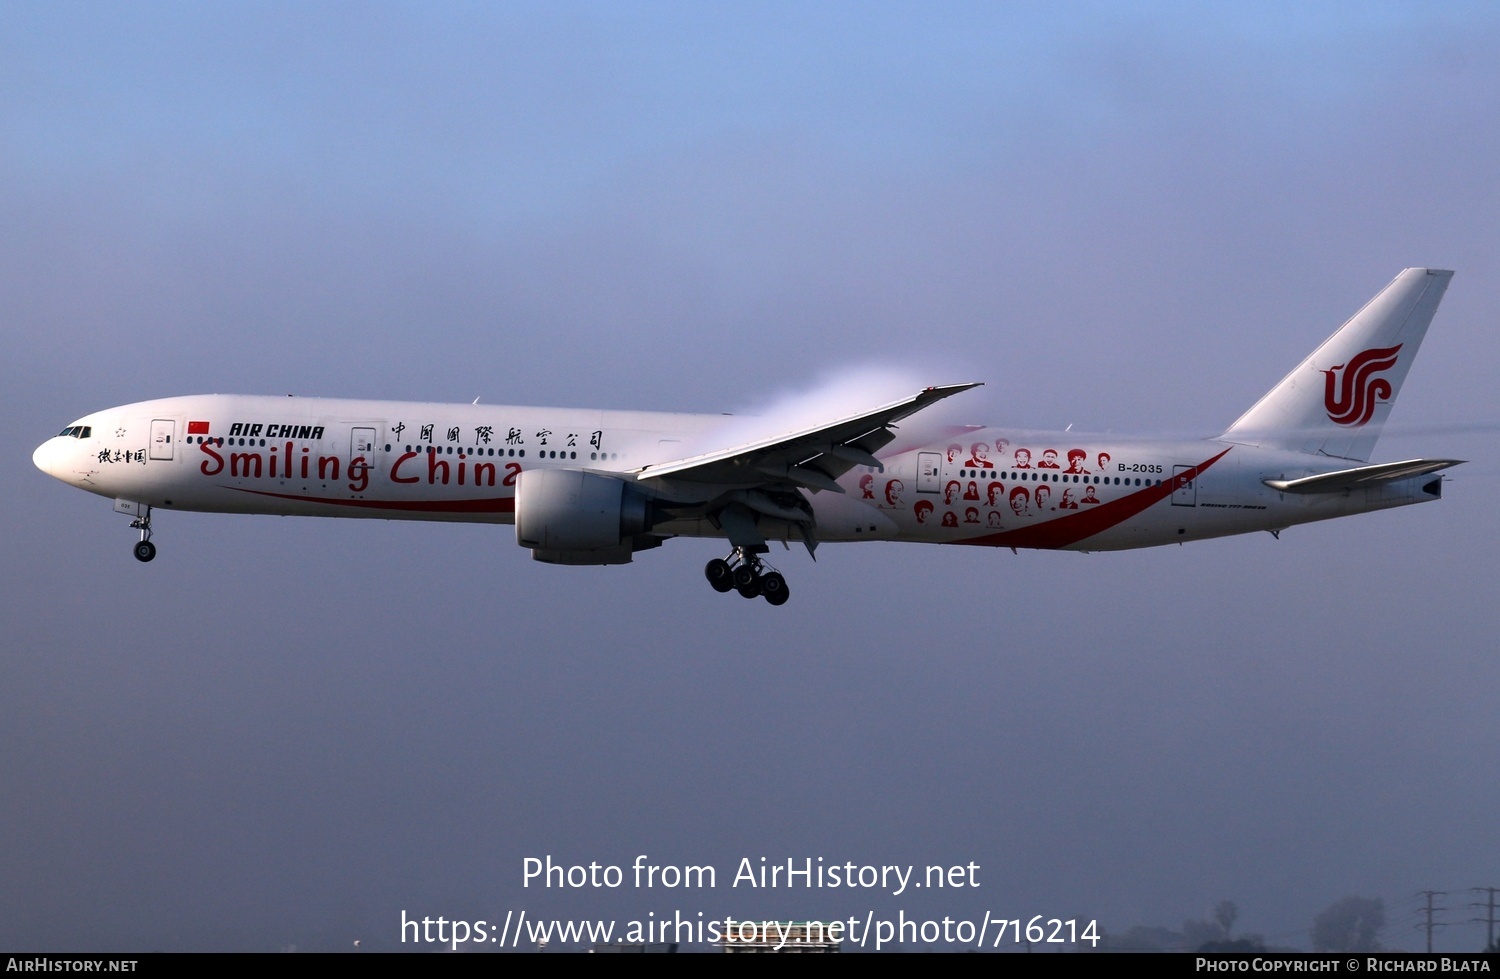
(813, 458)
(1361, 477)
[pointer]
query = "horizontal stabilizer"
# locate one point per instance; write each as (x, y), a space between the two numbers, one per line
(1363, 477)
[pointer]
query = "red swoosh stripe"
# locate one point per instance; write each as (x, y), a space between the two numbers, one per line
(1063, 531)
(497, 504)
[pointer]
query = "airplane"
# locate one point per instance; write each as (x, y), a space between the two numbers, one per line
(594, 487)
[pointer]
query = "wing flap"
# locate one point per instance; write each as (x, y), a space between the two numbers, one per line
(810, 477)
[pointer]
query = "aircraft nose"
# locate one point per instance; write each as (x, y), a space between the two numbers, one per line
(48, 457)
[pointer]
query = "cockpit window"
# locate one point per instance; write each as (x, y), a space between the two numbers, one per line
(76, 431)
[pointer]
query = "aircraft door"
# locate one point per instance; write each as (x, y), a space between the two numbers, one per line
(361, 447)
(1184, 490)
(163, 434)
(929, 471)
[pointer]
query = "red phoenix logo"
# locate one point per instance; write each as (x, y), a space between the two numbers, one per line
(1351, 397)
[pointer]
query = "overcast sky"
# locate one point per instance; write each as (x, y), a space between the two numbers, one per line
(283, 732)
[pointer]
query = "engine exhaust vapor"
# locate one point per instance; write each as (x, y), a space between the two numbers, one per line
(845, 392)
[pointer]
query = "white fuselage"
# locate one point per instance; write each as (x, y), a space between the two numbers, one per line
(417, 461)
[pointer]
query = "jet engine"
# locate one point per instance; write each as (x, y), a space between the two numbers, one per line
(570, 516)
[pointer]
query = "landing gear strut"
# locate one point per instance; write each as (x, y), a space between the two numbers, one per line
(743, 571)
(144, 549)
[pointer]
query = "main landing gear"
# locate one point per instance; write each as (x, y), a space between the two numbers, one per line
(743, 571)
(144, 549)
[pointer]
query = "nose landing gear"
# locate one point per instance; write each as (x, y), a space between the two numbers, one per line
(144, 549)
(743, 571)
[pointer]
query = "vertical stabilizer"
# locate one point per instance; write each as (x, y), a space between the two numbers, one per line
(1336, 401)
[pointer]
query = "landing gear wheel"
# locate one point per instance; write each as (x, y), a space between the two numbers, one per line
(773, 587)
(746, 582)
(743, 571)
(719, 575)
(144, 550)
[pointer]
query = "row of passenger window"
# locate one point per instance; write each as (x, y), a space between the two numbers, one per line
(1034, 476)
(439, 450)
(492, 451)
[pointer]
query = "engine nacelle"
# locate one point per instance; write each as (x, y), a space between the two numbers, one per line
(569, 516)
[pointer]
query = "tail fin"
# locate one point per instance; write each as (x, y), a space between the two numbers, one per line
(1336, 401)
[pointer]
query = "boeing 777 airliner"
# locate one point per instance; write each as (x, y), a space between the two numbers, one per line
(594, 487)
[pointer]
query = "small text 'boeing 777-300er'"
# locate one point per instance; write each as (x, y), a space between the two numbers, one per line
(593, 487)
